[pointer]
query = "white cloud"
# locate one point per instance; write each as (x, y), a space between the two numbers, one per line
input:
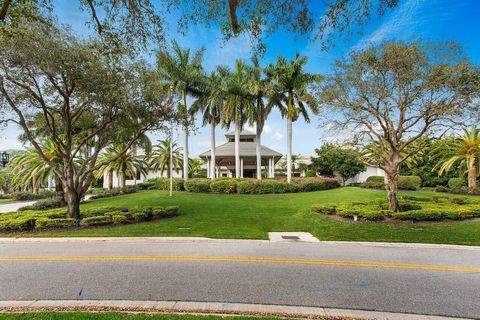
(277, 136)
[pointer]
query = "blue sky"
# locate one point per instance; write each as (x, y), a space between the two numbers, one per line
(430, 20)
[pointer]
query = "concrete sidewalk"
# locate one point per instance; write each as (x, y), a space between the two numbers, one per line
(227, 308)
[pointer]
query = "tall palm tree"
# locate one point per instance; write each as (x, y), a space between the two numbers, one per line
(183, 71)
(239, 105)
(260, 89)
(466, 150)
(124, 163)
(291, 95)
(3, 180)
(195, 166)
(159, 158)
(210, 102)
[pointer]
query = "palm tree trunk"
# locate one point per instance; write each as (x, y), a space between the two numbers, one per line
(123, 182)
(259, 151)
(289, 148)
(237, 149)
(472, 174)
(110, 180)
(185, 134)
(212, 151)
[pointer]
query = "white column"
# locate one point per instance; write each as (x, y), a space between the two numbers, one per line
(241, 167)
(208, 168)
(273, 167)
(269, 168)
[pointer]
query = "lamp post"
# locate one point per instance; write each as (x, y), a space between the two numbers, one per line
(4, 158)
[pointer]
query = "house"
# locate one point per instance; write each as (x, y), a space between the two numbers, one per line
(225, 157)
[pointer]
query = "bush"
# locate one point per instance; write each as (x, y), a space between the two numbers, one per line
(197, 185)
(409, 182)
(224, 186)
(265, 186)
(456, 183)
(310, 173)
(46, 223)
(374, 182)
(27, 196)
(315, 184)
(164, 184)
(171, 211)
(43, 205)
(441, 189)
(327, 208)
(18, 224)
(119, 218)
(365, 212)
(96, 220)
(101, 211)
(148, 185)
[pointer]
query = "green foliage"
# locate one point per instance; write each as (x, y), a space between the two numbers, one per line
(164, 184)
(315, 184)
(46, 223)
(119, 218)
(171, 211)
(456, 183)
(97, 220)
(148, 185)
(333, 159)
(197, 185)
(114, 192)
(26, 196)
(409, 182)
(265, 186)
(43, 205)
(16, 224)
(224, 186)
(327, 208)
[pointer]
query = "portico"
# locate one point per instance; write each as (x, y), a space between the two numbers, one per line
(225, 157)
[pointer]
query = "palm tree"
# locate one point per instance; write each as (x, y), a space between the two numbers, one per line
(122, 160)
(291, 95)
(466, 150)
(260, 89)
(210, 102)
(183, 72)
(29, 169)
(159, 159)
(195, 166)
(238, 104)
(3, 180)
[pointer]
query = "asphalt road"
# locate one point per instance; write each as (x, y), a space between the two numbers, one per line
(435, 281)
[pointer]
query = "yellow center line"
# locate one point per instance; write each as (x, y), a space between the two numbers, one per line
(341, 263)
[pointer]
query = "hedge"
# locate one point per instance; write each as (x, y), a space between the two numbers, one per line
(456, 183)
(43, 205)
(404, 182)
(26, 196)
(224, 186)
(265, 186)
(114, 192)
(50, 219)
(197, 185)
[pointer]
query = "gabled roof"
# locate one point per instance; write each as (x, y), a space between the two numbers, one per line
(246, 149)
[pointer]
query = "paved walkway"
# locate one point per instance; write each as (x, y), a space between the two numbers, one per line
(14, 206)
(423, 280)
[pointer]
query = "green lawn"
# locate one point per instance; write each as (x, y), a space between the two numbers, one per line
(252, 216)
(2, 201)
(119, 316)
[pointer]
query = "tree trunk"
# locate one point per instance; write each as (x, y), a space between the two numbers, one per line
(237, 149)
(185, 133)
(212, 151)
(289, 148)
(60, 191)
(73, 203)
(123, 182)
(472, 174)
(391, 185)
(34, 185)
(259, 151)
(110, 180)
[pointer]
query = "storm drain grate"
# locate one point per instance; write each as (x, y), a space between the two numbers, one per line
(290, 237)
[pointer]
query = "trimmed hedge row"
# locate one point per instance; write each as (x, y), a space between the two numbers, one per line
(247, 186)
(105, 193)
(413, 209)
(404, 182)
(51, 219)
(27, 196)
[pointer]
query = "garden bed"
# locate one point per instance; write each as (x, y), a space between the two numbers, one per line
(56, 218)
(412, 209)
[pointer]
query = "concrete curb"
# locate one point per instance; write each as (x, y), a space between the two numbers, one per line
(207, 308)
(202, 239)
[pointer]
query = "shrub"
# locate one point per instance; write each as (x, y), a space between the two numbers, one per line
(26, 196)
(101, 211)
(46, 223)
(441, 189)
(18, 224)
(119, 218)
(143, 214)
(310, 173)
(409, 182)
(374, 182)
(148, 185)
(456, 183)
(159, 212)
(224, 186)
(43, 205)
(378, 179)
(327, 208)
(265, 186)
(171, 211)
(97, 220)
(362, 212)
(197, 185)
(315, 184)
(164, 184)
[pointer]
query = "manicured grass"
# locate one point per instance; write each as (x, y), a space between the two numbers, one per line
(2, 201)
(118, 316)
(253, 216)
